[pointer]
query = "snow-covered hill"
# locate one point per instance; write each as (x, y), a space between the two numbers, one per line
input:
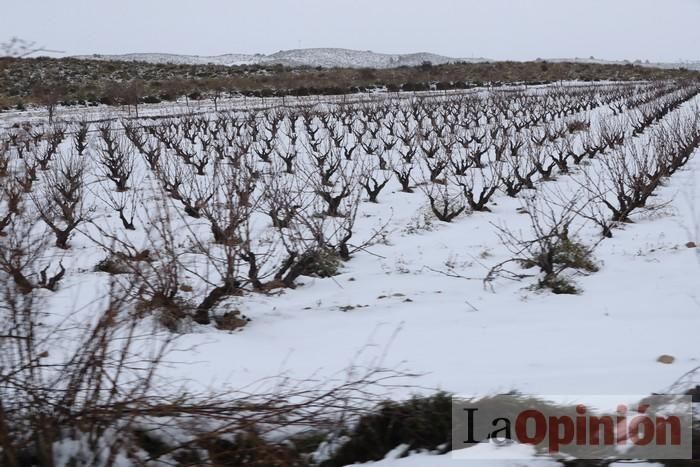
(227, 59)
(690, 65)
(354, 58)
(298, 57)
(344, 58)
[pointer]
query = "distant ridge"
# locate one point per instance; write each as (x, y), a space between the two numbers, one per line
(327, 58)
(343, 58)
(690, 65)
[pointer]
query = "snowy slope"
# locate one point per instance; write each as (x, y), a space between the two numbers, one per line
(396, 305)
(415, 301)
(484, 455)
(159, 58)
(324, 57)
(690, 65)
(345, 58)
(353, 58)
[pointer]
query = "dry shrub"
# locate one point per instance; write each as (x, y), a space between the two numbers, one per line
(551, 247)
(231, 321)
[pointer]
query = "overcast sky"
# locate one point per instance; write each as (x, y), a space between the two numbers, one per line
(658, 30)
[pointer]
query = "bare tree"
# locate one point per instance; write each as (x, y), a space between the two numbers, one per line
(132, 93)
(20, 48)
(479, 186)
(625, 180)
(60, 203)
(80, 137)
(551, 246)
(22, 250)
(217, 87)
(49, 96)
(444, 202)
(116, 161)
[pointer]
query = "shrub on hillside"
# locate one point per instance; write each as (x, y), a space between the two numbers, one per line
(419, 423)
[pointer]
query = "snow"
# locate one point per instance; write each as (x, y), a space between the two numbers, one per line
(483, 454)
(487, 455)
(323, 57)
(642, 304)
(427, 460)
(343, 58)
(416, 302)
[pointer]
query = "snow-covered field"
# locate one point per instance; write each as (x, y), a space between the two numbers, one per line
(412, 293)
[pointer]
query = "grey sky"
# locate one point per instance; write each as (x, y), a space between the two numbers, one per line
(658, 30)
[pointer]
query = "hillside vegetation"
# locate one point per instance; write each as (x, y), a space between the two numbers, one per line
(71, 81)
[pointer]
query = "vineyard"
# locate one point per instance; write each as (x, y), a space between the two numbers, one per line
(306, 236)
